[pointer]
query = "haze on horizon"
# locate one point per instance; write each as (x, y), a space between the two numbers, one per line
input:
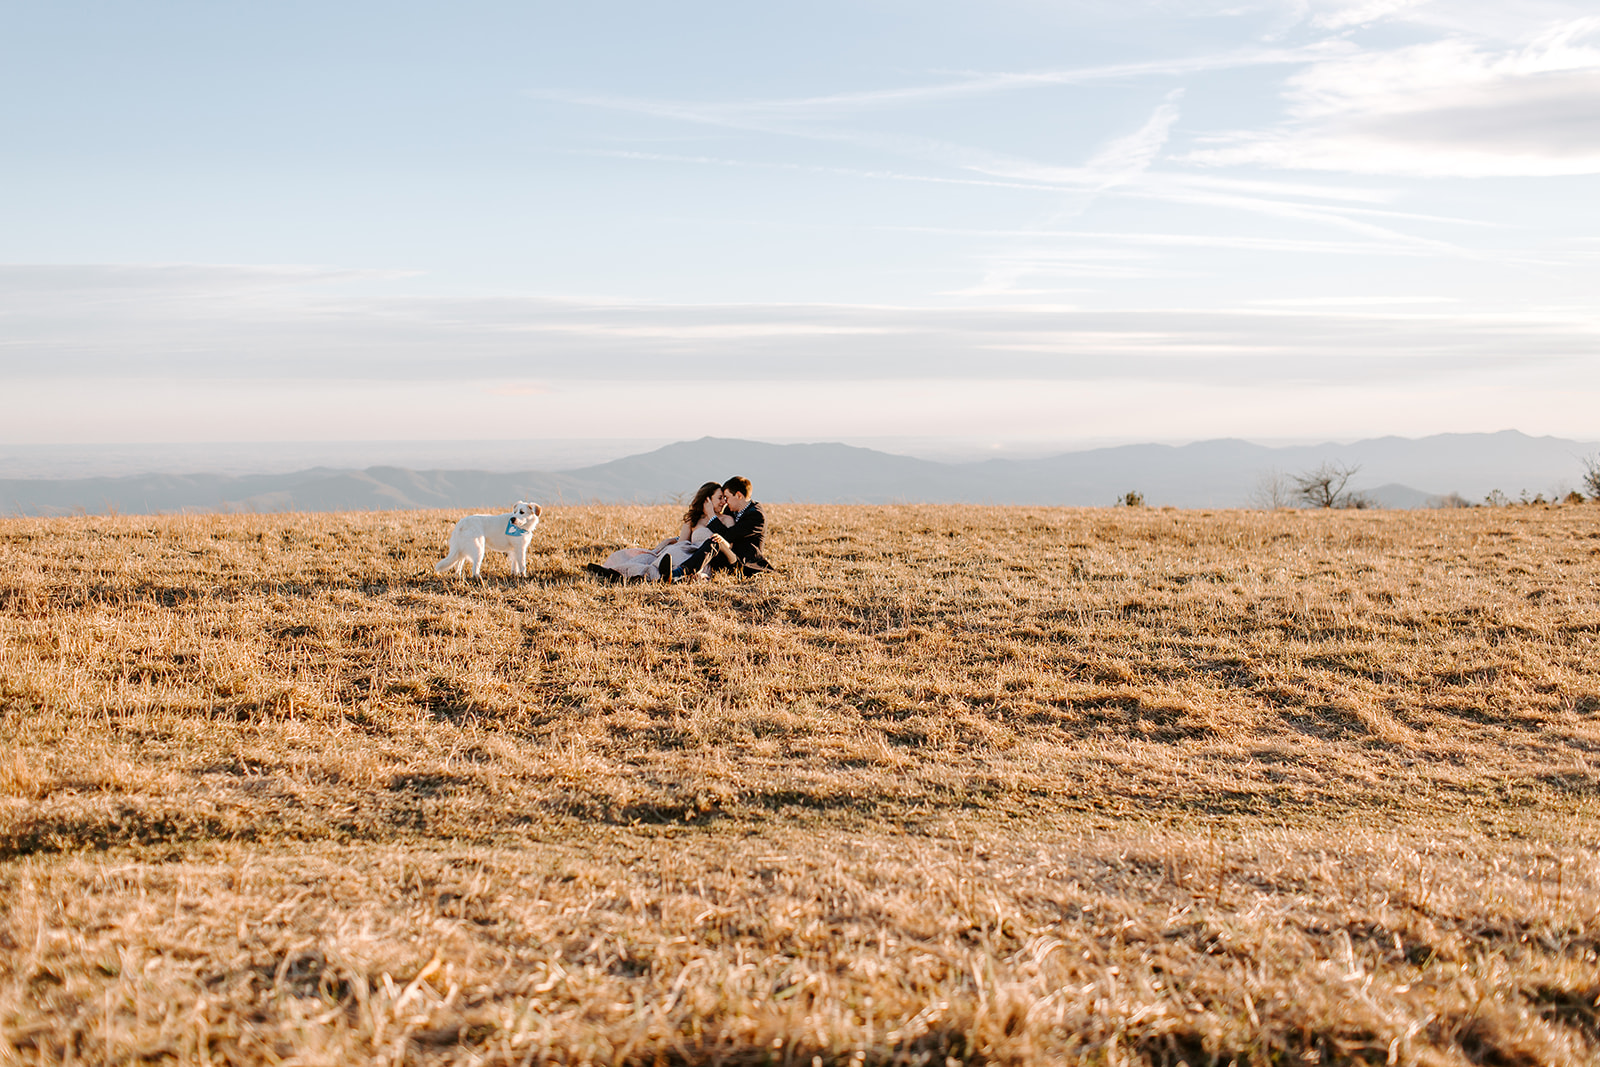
(1005, 222)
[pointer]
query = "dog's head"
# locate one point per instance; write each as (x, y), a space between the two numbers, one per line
(526, 514)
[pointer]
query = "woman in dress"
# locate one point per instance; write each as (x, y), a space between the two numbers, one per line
(671, 557)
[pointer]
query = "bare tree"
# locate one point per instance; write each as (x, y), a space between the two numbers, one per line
(1325, 487)
(1591, 476)
(1273, 490)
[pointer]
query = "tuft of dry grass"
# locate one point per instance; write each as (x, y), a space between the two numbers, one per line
(960, 784)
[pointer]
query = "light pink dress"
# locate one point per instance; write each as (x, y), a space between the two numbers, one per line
(646, 562)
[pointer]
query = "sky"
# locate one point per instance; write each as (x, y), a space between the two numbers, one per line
(1014, 221)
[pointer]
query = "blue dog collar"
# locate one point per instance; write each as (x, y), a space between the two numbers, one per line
(513, 530)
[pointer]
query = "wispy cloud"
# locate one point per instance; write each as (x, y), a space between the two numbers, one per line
(1116, 163)
(1241, 243)
(817, 168)
(1353, 301)
(1037, 271)
(819, 118)
(1362, 12)
(1133, 153)
(194, 326)
(1123, 165)
(1452, 107)
(1342, 217)
(1122, 168)
(767, 114)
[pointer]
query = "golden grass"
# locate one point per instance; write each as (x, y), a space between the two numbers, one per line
(959, 784)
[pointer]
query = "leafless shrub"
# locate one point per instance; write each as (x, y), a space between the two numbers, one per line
(1273, 490)
(1591, 476)
(1324, 487)
(1451, 500)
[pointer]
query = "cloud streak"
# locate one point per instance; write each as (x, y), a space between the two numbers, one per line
(759, 114)
(995, 411)
(226, 325)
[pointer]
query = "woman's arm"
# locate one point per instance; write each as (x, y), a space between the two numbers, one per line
(721, 544)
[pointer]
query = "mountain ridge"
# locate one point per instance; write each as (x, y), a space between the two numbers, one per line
(1225, 472)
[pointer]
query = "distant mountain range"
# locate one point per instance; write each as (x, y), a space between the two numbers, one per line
(1394, 472)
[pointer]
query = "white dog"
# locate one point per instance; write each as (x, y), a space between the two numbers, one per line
(507, 533)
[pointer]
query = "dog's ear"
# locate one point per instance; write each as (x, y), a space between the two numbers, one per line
(537, 510)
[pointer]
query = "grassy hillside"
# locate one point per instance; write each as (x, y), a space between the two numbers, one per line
(970, 784)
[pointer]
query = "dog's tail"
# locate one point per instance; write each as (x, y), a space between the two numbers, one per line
(454, 559)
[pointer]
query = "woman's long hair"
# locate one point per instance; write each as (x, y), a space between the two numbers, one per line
(696, 510)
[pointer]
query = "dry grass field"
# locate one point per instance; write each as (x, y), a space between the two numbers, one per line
(958, 785)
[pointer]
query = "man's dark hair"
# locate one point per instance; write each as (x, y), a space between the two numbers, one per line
(737, 484)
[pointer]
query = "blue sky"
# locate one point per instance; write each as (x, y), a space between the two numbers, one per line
(997, 222)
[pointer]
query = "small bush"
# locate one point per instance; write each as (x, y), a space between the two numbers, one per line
(1273, 490)
(1591, 476)
(1132, 499)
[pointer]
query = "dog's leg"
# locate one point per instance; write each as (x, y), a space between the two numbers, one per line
(475, 553)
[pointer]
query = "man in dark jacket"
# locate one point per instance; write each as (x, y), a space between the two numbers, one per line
(744, 527)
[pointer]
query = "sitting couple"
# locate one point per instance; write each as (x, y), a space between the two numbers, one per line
(722, 530)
